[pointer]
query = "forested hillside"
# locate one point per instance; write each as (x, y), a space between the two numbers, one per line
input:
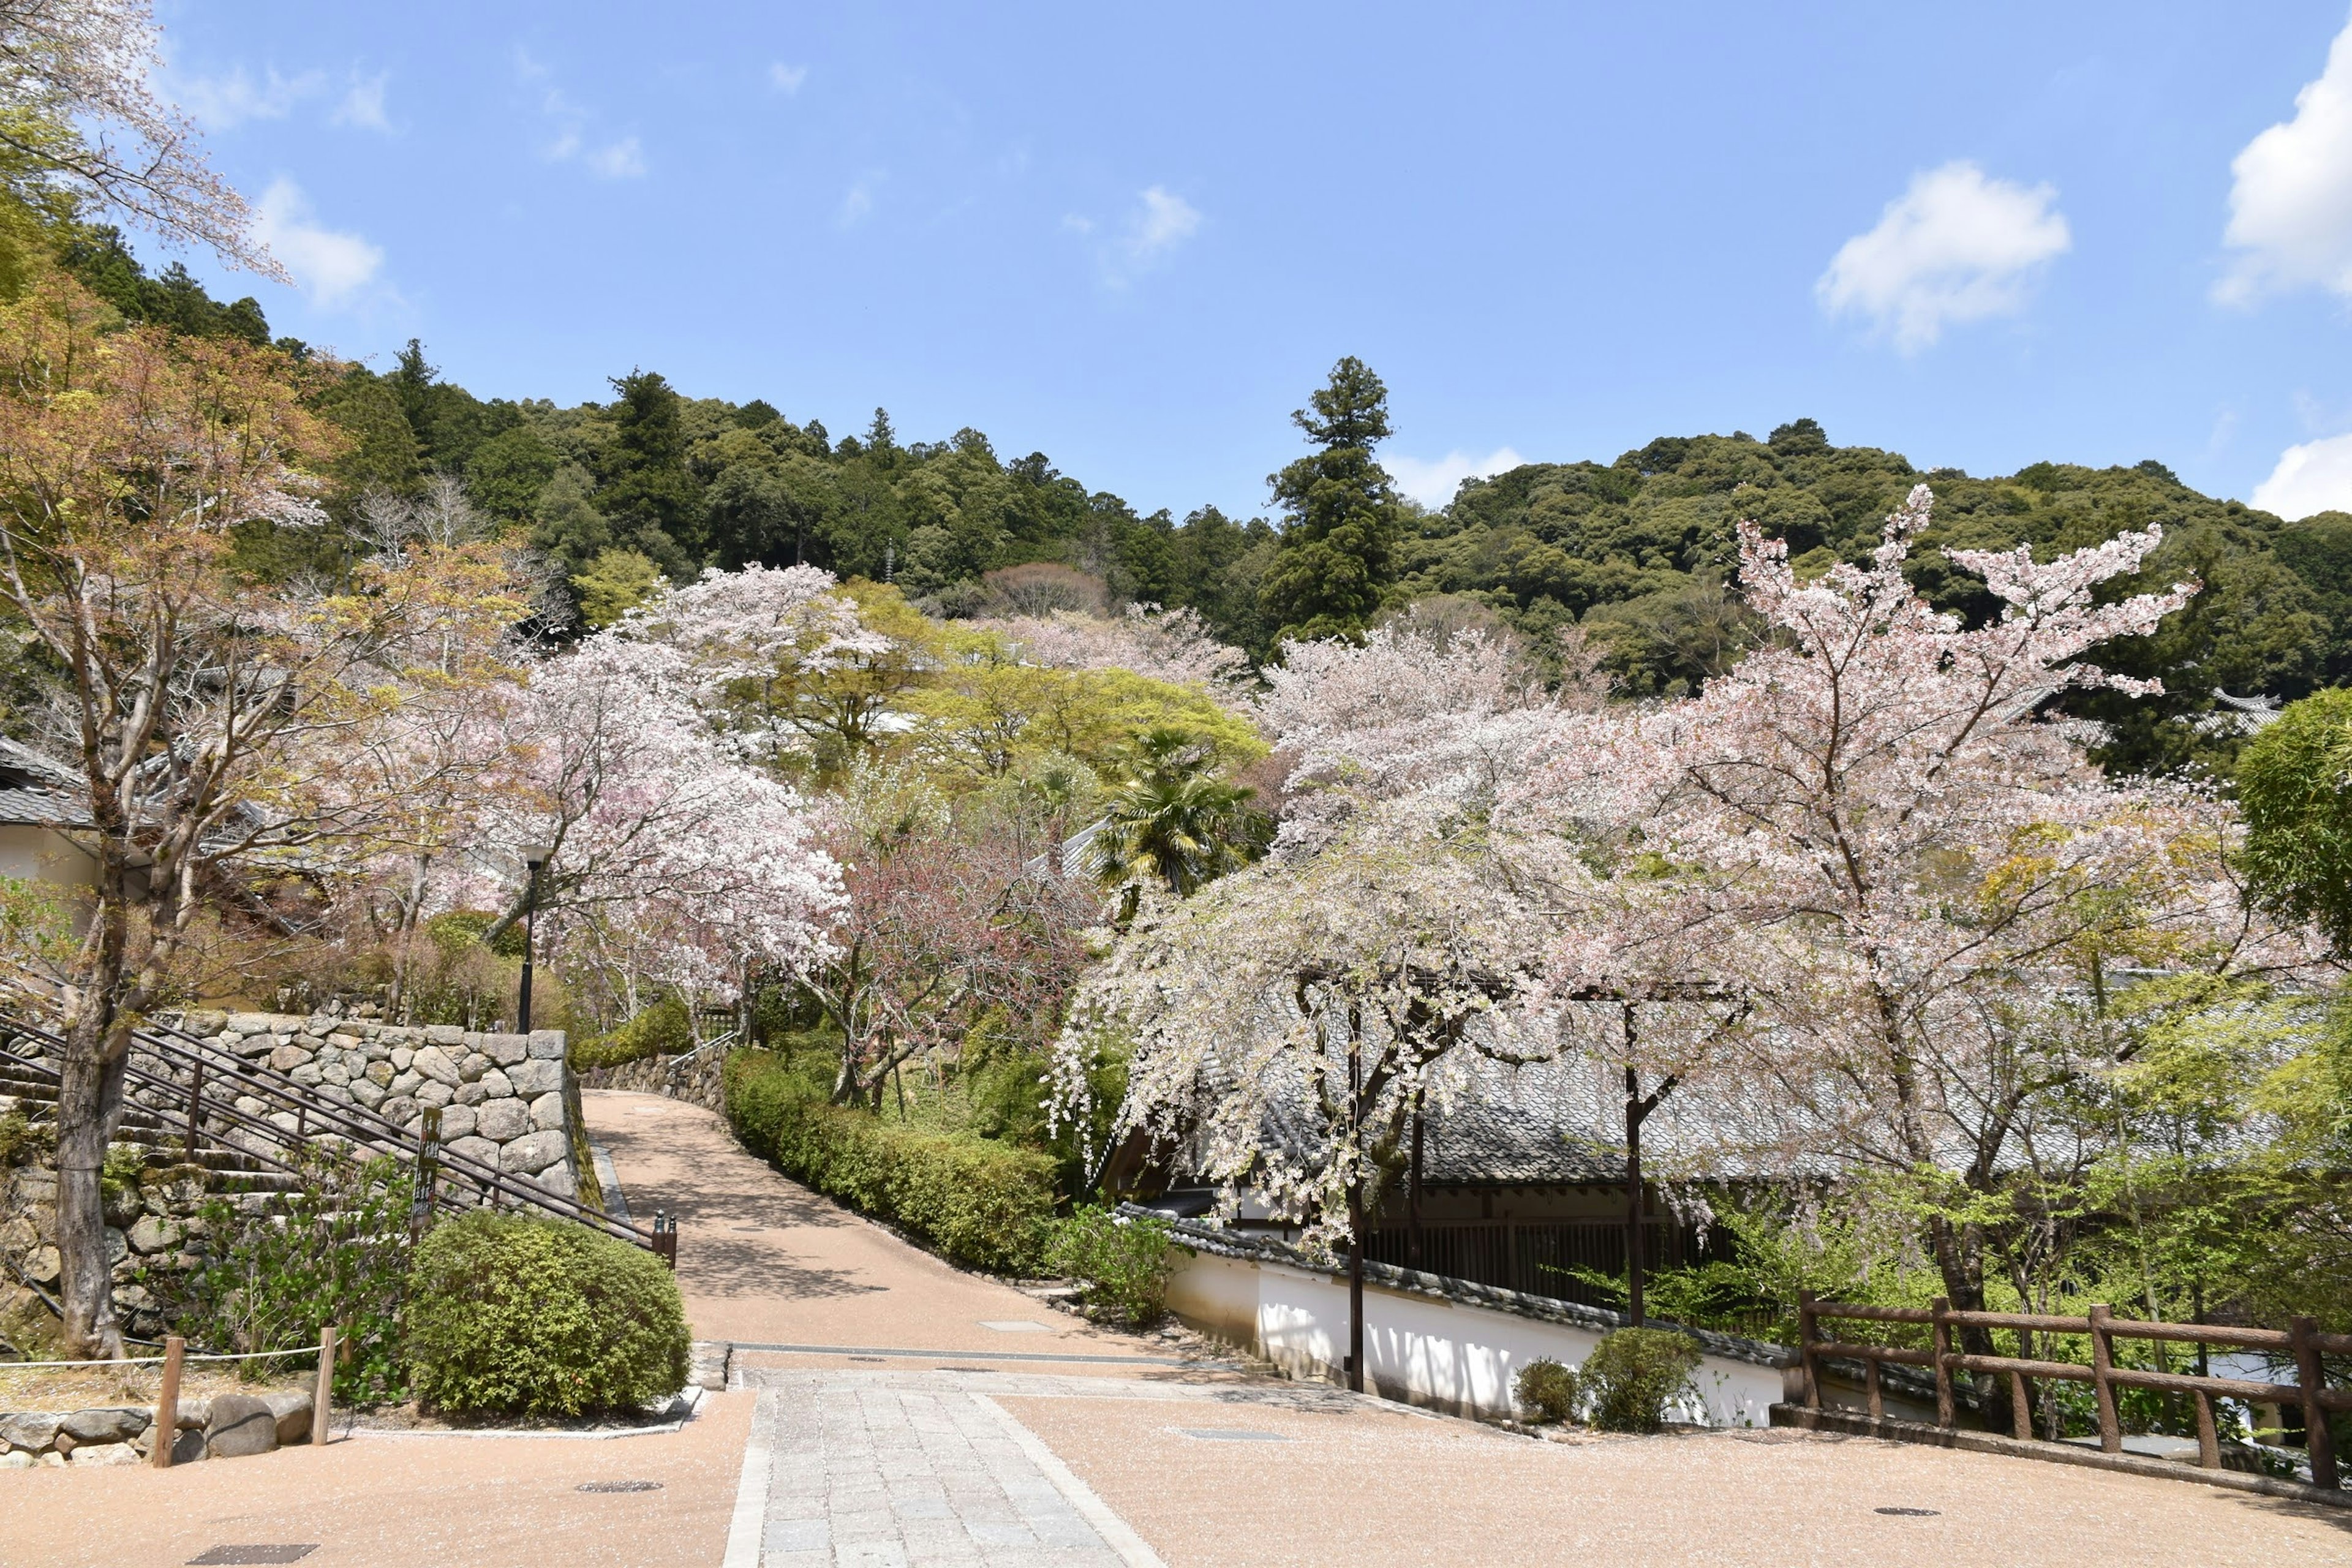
(1638, 549)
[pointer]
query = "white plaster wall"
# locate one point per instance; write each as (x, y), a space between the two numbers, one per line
(44, 855)
(1422, 1349)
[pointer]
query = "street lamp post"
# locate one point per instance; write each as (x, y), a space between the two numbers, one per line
(533, 857)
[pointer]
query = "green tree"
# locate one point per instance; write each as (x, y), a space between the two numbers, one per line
(653, 502)
(506, 472)
(2298, 811)
(615, 583)
(1339, 538)
(1174, 822)
(569, 526)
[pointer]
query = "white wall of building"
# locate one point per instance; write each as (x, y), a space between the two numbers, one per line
(1422, 1349)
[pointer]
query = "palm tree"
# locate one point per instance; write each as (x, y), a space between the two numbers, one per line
(1173, 822)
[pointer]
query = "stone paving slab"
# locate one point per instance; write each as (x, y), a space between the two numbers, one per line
(917, 1468)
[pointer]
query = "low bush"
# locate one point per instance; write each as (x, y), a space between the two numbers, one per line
(337, 1253)
(1634, 1375)
(516, 1316)
(1547, 1391)
(1122, 1261)
(980, 1201)
(661, 1030)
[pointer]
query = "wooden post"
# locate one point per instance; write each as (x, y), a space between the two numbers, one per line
(1947, 1411)
(2209, 1442)
(1870, 1387)
(2303, 1334)
(195, 1107)
(2020, 1414)
(1808, 1330)
(167, 1404)
(324, 1396)
(2102, 1367)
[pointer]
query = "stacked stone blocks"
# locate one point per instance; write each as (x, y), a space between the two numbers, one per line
(501, 1096)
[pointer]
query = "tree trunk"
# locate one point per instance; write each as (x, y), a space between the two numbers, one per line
(1959, 1258)
(1412, 1189)
(1356, 1285)
(1634, 1197)
(89, 1108)
(1356, 1205)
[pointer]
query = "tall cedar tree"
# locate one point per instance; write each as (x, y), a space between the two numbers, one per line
(652, 498)
(1338, 547)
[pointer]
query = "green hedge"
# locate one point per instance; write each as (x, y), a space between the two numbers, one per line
(515, 1316)
(980, 1201)
(661, 1030)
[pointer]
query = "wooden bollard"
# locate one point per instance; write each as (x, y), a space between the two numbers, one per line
(326, 1390)
(167, 1404)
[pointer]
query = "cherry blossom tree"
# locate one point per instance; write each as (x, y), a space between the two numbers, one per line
(673, 862)
(935, 929)
(1874, 833)
(1172, 646)
(81, 114)
(748, 641)
(1441, 728)
(1288, 1021)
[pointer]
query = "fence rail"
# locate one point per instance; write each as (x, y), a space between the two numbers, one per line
(2302, 1342)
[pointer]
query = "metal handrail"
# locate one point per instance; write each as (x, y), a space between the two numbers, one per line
(712, 1044)
(318, 1118)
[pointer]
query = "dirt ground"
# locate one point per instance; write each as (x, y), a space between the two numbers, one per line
(401, 1501)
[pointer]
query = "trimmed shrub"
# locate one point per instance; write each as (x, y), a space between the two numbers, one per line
(1634, 1375)
(516, 1316)
(661, 1030)
(980, 1201)
(1547, 1391)
(1123, 1262)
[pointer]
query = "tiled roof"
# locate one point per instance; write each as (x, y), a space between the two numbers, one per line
(1499, 1124)
(43, 808)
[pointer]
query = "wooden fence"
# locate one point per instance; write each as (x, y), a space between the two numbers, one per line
(1536, 1258)
(2302, 1343)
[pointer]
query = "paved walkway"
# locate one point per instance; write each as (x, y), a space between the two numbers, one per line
(763, 1261)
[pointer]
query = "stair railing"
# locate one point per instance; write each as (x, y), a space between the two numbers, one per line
(317, 1121)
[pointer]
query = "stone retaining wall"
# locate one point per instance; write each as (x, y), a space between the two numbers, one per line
(702, 1083)
(225, 1426)
(501, 1097)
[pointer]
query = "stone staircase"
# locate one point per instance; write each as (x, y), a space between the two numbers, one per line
(252, 1184)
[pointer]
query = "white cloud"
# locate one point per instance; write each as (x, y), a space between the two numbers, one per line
(1162, 220)
(329, 265)
(2291, 205)
(859, 204)
(787, 78)
(363, 103)
(1434, 484)
(624, 160)
(223, 102)
(1956, 247)
(1077, 224)
(570, 123)
(2313, 476)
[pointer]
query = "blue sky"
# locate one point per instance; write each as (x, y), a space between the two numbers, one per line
(1136, 238)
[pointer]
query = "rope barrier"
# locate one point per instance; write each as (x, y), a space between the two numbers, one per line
(158, 1360)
